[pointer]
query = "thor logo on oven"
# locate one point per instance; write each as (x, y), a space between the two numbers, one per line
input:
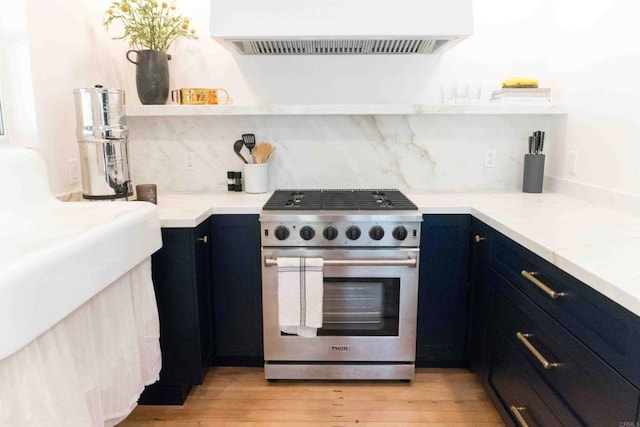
(342, 348)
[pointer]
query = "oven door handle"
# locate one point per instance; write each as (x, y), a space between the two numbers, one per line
(409, 262)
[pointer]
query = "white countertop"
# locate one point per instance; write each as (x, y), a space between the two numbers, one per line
(599, 246)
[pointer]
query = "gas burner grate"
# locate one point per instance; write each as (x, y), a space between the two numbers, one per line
(339, 199)
(294, 200)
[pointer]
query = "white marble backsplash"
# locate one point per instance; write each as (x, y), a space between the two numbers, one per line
(410, 152)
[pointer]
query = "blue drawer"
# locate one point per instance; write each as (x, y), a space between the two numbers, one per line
(608, 329)
(596, 393)
(520, 390)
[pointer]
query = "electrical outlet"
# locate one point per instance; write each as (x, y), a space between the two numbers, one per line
(190, 161)
(490, 159)
(74, 171)
(573, 162)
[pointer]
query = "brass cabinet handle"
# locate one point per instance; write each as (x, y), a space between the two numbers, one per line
(530, 276)
(477, 238)
(515, 410)
(543, 360)
(204, 239)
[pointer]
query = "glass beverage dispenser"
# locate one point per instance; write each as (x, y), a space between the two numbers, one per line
(102, 135)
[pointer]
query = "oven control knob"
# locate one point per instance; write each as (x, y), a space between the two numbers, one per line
(281, 232)
(399, 233)
(376, 232)
(307, 233)
(330, 233)
(353, 233)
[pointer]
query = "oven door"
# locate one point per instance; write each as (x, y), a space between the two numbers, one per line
(369, 307)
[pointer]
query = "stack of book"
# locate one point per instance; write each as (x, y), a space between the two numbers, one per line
(522, 95)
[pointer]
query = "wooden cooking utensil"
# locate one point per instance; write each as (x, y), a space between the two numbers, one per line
(261, 152)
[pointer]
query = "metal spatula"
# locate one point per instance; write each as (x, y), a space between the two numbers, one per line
(249, 141)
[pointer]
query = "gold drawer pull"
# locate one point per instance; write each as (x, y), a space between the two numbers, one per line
(204, 239)
(477, 238)
(530, 276)
(515, 410)
(543, 360)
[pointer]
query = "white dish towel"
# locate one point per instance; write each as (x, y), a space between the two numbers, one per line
(300, 284)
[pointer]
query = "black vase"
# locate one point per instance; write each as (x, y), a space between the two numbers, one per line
(152, 76)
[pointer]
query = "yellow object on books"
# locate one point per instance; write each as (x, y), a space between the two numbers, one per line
(520, 82)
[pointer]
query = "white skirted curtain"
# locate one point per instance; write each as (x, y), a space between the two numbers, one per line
(90, 368)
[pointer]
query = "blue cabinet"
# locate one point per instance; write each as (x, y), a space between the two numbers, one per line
(444, 252)
(237, 290)
(181, 272)
(207, 282)
(595, 392)
(479, 297)
(607, 328)
(557, 352)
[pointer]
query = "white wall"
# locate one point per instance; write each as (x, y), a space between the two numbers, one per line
(596, 59)
(587, 55)
(16, 88)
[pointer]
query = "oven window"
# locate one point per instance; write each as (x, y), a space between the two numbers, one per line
(360, 307)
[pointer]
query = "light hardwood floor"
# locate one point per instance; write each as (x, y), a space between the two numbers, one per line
(242, 397)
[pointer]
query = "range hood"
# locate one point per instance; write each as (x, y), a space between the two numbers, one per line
(340, 27)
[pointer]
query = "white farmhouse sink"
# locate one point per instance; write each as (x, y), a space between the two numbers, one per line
(55, 256)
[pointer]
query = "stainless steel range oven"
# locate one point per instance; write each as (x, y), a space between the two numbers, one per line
(367, 242)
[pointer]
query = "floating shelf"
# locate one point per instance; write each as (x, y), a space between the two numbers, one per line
(344, 109)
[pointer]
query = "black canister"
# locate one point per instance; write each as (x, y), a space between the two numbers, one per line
(231, 181)
(238, 181)
(533, 176)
